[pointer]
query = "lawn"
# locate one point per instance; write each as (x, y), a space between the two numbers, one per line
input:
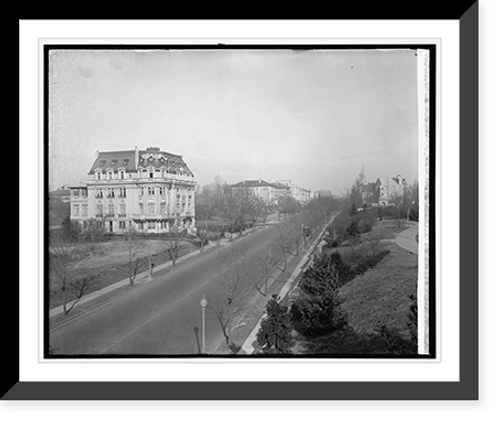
(377, 298)
(107, 259)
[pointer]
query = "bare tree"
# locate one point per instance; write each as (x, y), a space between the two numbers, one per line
(62, 261)
(95, 229)
(202, 235)
(229, 305)
(261, 211)
(174, 239)
(284, 239)
(75, 290)
(134, 262)
(64, 257)
(266, 262)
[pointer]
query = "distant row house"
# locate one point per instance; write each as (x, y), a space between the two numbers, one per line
(148, 190)
(271, 191)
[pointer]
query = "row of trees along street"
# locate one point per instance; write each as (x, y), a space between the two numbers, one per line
(241, 277)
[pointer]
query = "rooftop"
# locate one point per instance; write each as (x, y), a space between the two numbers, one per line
(133, 160)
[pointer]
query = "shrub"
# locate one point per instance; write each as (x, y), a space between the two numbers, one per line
(367, 262)
(353, 230)
(319, 314)
(275, 333)
(414, 214)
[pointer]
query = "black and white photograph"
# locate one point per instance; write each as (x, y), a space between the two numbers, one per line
(239, 201)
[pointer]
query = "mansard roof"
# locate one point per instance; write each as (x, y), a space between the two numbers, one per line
(127, 160)
(114, 160)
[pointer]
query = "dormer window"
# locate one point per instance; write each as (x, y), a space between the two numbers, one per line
(113, 162)
(125, 161)
(103, 162)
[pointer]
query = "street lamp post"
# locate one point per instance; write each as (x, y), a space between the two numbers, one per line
(203, 304)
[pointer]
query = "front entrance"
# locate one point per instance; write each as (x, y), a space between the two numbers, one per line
(111, 227)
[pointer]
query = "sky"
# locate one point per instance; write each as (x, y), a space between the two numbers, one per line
(314, 117)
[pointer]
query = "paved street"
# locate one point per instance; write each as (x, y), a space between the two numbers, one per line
(163, 316)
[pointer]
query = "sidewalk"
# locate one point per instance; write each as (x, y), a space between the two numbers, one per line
(407, 239)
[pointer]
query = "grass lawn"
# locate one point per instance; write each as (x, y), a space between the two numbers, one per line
(107, 260)
(378, 297)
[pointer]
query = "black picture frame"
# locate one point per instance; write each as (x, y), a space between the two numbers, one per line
(464, 389)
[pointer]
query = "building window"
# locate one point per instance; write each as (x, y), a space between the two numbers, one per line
(98, 175)
(111, 209)
(141, 225)
(151, 174)
(75, 193)
(76, 210)
(151, 225)
(151, 190)
(151, 209)
(141, 208)
(84, 210)
(122, 193)
(163, 207)
(98, 193)
(162, 190)
(141, 191)
(121, 174)
(121, 225)
(110, 193)
(109, 174)
(123, 210)
(98, 210)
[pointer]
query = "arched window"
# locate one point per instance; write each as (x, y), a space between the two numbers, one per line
(163, 207)
(151, 208)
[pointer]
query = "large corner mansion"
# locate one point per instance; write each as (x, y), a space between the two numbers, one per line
(148, 190)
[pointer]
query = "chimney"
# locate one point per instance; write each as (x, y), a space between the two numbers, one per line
(136, 157)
